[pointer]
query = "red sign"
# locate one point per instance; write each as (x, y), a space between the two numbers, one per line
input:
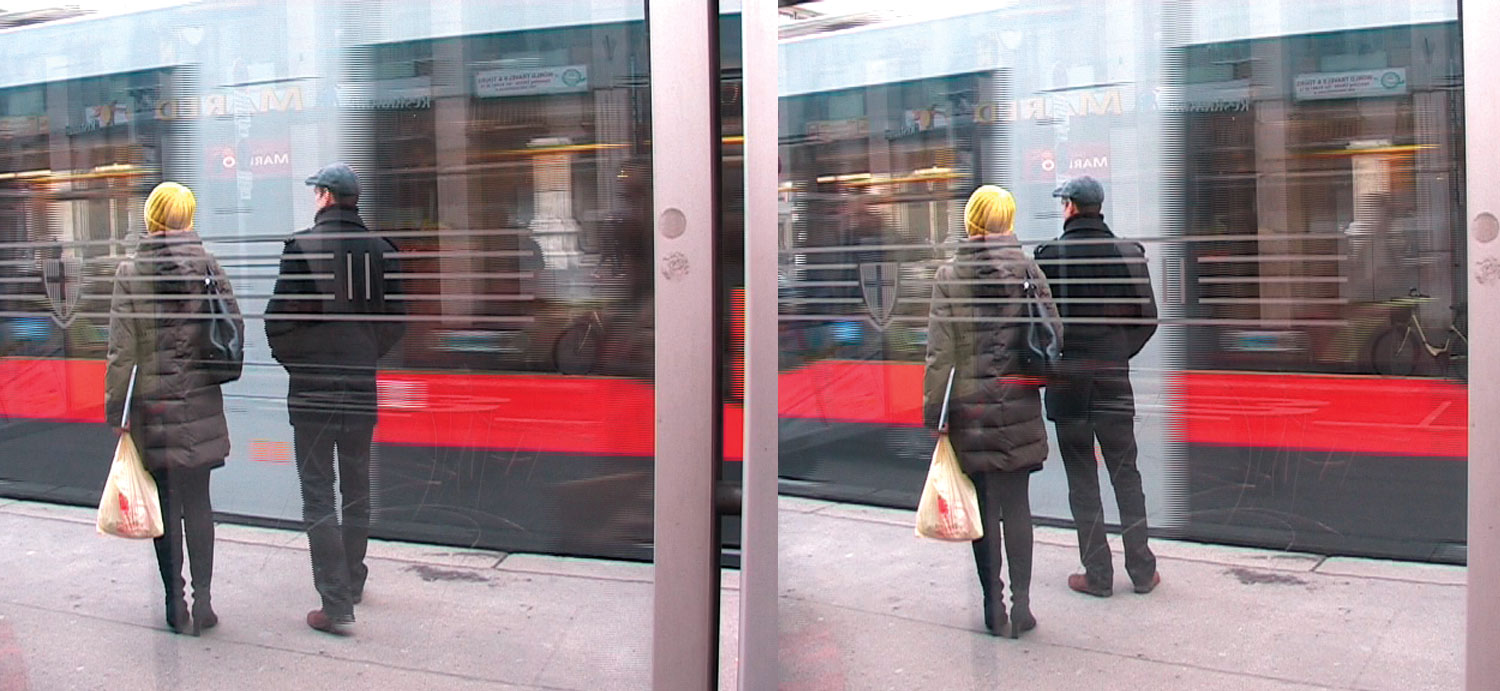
(262, 158)
(1041, 166)
(1087, 159)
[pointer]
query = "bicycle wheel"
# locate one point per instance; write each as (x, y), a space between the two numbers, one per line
(577, 349)
(1392, 354)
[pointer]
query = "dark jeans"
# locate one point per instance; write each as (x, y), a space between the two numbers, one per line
(186, 512)
(1003, 497)
(1110, 419)
(338, 549)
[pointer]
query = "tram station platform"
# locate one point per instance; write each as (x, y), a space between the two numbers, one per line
(864, 605)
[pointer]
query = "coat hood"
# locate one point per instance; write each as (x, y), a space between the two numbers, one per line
(180, 255)
(986, 259)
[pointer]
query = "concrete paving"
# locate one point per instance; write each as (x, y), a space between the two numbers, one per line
(865, 605)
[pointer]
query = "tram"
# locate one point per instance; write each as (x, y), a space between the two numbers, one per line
(1294, 175)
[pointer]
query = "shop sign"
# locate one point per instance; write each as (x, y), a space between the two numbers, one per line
(390, 94)
(531, 82)
(834, 130)
(101, 117)
(1043, 165)
(919, 120)
(1084, 103)
(1211, 97)
(23, 126)
(1317, 86)
(269, 158)
(266, 100)
(1088, 159)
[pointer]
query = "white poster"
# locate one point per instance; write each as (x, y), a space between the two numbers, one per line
(531, 82)
(1358, 84)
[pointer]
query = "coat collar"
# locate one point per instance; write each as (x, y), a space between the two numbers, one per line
(330, 215)
(991, 242)
(161, 241)
(1086, 222)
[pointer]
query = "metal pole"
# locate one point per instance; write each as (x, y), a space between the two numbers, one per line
(758, 521)
(684, 97)
(1482, 155)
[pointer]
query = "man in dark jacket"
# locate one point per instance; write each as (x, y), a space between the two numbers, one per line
(331, 319)
(1103, 291)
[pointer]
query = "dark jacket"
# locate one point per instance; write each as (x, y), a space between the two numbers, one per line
(332, 317)
(156, 326)
(976, 324)
(1103, 291)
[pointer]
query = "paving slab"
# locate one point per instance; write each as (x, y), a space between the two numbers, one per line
(864, 605)
(434, 554)
(636, 572)
(828, 648)
(131, 657)
(55, 512)
(1437, 574)
(1217, 610)
(872, 514)
(802, 504)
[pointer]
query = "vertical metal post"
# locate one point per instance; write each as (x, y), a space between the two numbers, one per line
(759, 587)
(684, 148)
(1482, 156)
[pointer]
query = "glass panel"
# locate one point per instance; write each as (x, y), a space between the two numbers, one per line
(1284, 184)
(505, 158)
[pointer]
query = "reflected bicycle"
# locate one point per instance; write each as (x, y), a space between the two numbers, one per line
(1398, 350)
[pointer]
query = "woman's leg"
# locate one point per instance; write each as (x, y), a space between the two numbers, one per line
(169, 548)
(987, 552)
(198, 527)
(1013, 491)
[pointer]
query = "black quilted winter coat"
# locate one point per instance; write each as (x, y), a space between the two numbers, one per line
(156, 324)
(976, 325)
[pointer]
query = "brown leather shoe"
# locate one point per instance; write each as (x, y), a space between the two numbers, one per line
(1080, 583)
(319, 620)
(1142, 589)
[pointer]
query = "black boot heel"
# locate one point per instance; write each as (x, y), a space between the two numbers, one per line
(203, 613)
(177, 618)
(1021, 619)
(994, 619)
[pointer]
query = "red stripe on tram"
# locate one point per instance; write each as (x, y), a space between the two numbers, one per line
(614, 417)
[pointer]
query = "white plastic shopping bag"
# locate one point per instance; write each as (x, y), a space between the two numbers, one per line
(949, 509)
(129, 507)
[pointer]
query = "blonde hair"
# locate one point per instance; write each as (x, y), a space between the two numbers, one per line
(169, 208)
(991, 211)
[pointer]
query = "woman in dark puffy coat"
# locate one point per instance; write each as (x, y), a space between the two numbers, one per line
(976, 328)
(157, 330)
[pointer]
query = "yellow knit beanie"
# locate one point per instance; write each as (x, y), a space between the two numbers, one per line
(170, 208)
(991, 211)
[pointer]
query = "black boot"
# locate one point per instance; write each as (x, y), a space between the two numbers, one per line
(178, 619)
(177, 615)
(994, 611)
(1021, 619)
(203, 610)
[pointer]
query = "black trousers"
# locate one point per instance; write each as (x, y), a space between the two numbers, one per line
(1005, 508)
(187, 513)
(337, 547)
(1108, 416)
